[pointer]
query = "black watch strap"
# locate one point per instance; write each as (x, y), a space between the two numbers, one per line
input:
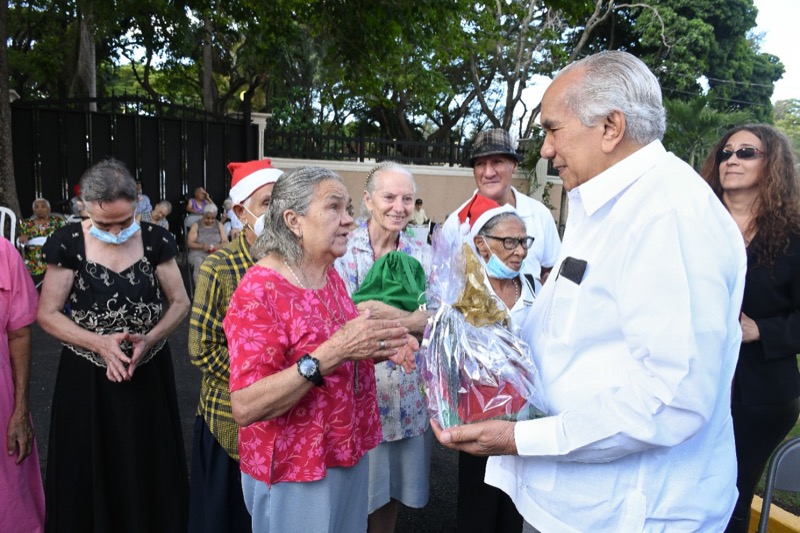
(308, 367)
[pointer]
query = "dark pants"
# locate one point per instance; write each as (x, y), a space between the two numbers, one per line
(481, 507)
(216, 503)
(758, 430)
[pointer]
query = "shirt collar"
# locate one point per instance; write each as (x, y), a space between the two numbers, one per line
(599, 190)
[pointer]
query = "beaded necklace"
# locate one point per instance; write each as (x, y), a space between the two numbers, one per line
(340, 320)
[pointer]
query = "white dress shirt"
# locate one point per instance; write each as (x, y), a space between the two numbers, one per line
(539, 224)
(636, 361)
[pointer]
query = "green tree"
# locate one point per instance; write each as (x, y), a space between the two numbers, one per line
(693, 126)
(787, 119)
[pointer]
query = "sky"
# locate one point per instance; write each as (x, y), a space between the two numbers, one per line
(777, 19)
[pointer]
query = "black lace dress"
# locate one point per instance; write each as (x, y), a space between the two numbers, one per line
(116, 460)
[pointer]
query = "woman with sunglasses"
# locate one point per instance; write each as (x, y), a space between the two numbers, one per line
(753, 170)
(500, 238)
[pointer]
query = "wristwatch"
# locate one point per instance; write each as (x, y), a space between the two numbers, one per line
(308, 367)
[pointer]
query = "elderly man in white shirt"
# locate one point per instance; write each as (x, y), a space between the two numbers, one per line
(637, 335)
(494, 161)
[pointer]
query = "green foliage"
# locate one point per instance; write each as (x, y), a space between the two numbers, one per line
(694, 126)
(787, 119)
(405, 69)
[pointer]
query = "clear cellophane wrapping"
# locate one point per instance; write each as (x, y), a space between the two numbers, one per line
(473, 366)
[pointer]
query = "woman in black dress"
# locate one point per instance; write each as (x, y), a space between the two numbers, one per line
(753, 170)
(116, 460)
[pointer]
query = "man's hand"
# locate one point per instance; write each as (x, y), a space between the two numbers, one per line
(492, 437)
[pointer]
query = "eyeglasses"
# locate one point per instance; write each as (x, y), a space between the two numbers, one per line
(742, 153)
(511, 243)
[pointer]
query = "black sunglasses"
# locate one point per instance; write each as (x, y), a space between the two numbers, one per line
(742, 153)
(511, 243)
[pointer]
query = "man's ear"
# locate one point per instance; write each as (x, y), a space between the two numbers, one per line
(239, 211)
(613, 130)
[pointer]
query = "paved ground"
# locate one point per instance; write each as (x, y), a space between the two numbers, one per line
(437, 517)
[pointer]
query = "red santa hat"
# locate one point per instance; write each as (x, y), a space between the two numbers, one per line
(249, 177)
(480, 210)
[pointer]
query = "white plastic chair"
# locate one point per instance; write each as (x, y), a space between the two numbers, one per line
(7, 216)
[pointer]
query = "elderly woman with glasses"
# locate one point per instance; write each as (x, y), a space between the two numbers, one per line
(753, 171)
(302, 365)
(500, 238)
(116, 460)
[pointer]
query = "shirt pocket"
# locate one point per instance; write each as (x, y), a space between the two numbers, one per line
(563, 310)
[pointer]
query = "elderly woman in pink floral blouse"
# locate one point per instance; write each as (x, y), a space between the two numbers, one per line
(302, 380)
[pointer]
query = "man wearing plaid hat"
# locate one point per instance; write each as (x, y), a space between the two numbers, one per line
(494, 161)
(216, 502)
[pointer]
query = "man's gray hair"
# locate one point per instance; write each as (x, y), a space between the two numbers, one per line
(615, 80)
(108, 181)
(369, 185)
(294, 191)
(210, 209)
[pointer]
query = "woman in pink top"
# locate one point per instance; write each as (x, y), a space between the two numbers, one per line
(302, 378)
(21, 490)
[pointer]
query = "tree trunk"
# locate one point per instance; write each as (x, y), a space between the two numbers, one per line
(85, 81)
(208, 67)
(8, 187)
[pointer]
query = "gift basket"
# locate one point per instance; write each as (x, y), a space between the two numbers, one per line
(473, 367)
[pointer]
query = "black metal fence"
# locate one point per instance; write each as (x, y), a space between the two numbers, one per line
(313, 145)
(171, 149)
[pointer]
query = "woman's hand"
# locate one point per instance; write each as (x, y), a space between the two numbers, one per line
(23, 239)
(405, 354)
(141, 345)
(365, 338)
(381, 311)
(750, 330)
(110, 349)
(19, 435)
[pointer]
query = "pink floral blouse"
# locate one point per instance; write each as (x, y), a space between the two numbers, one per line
(270, 324)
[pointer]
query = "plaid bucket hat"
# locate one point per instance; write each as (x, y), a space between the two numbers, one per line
(492, 142)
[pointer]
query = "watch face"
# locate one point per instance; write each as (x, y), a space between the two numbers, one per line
(307, 367)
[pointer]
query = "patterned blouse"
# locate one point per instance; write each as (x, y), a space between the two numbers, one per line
(33, 254)
(105, 301)
(402, 406)
(270, 324)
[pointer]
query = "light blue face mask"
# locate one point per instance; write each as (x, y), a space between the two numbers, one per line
(499, 270)
(110, 238)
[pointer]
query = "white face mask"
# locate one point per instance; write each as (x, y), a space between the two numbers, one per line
(260, 221)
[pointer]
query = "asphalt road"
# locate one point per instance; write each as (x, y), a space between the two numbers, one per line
(437, 517)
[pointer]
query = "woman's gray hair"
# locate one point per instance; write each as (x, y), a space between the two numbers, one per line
(369, 185)
(167, 204)
(108, 181)
(210, 209)
(294, 191)
(40, 199)
(496, 220)
(618, 81)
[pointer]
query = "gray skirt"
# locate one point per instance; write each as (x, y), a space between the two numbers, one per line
(335, 503)
(400, 470)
